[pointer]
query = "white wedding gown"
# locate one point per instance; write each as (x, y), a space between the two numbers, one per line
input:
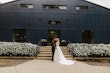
(60, 58)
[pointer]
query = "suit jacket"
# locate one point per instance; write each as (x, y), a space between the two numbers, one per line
(53, 43)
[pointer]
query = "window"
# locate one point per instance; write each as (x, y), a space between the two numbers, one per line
(81, 7)
(19, 35)
(54, 22)
(87, 36)
(61, 7)
(26, 5)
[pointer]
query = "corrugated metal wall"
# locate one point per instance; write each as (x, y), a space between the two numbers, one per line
(73, 22)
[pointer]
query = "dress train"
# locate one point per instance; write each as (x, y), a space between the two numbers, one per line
(60, 58)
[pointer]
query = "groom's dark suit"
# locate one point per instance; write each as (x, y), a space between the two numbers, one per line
(53, 48)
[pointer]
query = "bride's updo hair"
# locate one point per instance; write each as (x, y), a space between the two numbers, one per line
(57, 40)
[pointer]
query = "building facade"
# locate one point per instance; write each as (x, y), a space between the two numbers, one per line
(77, 21)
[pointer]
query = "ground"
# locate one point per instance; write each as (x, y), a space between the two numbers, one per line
(105, 64)
(14, 62)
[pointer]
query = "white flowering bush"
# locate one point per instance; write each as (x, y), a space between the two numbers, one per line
(14, 49)
(89, 50)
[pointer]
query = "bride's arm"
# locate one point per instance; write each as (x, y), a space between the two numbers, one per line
(57, 42)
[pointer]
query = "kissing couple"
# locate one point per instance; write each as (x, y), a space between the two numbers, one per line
(57, 54)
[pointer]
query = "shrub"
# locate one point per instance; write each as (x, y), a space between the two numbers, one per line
(14, 48)
(64, 43)
(89, 50)
(44, 42)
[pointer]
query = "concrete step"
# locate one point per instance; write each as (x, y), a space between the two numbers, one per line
(51, 51)
(64, 50)
(44, 58)
(46, 53)
(49, 57)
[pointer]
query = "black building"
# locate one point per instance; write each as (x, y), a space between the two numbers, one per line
(73, 20)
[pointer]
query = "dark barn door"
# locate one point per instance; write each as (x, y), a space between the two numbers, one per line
(19, 35)
(87, 36)
(51, 34)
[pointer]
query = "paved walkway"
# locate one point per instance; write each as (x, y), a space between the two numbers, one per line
(47, 66)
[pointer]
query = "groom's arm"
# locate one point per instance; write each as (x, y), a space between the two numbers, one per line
(53, 43)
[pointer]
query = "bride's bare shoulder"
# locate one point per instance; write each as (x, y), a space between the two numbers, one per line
(56, 39)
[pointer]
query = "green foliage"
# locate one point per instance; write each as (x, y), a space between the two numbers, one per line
(89, 50)
(14, 48)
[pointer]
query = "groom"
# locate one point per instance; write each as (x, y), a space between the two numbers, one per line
(53, 48)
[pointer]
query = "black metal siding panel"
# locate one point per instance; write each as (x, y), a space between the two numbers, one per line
(35, 20)
(102, 37)
(72, 35)
(35, 35)
(6, 34)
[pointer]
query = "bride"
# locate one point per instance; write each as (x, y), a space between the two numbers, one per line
(58, 55)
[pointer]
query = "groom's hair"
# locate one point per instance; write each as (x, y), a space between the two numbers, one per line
(56, 36)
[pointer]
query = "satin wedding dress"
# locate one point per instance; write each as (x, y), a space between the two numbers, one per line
(60, 58)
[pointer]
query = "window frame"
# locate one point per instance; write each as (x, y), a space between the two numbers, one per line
(81, 7)
(54, 7)
(54, 22)
(26, 6)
